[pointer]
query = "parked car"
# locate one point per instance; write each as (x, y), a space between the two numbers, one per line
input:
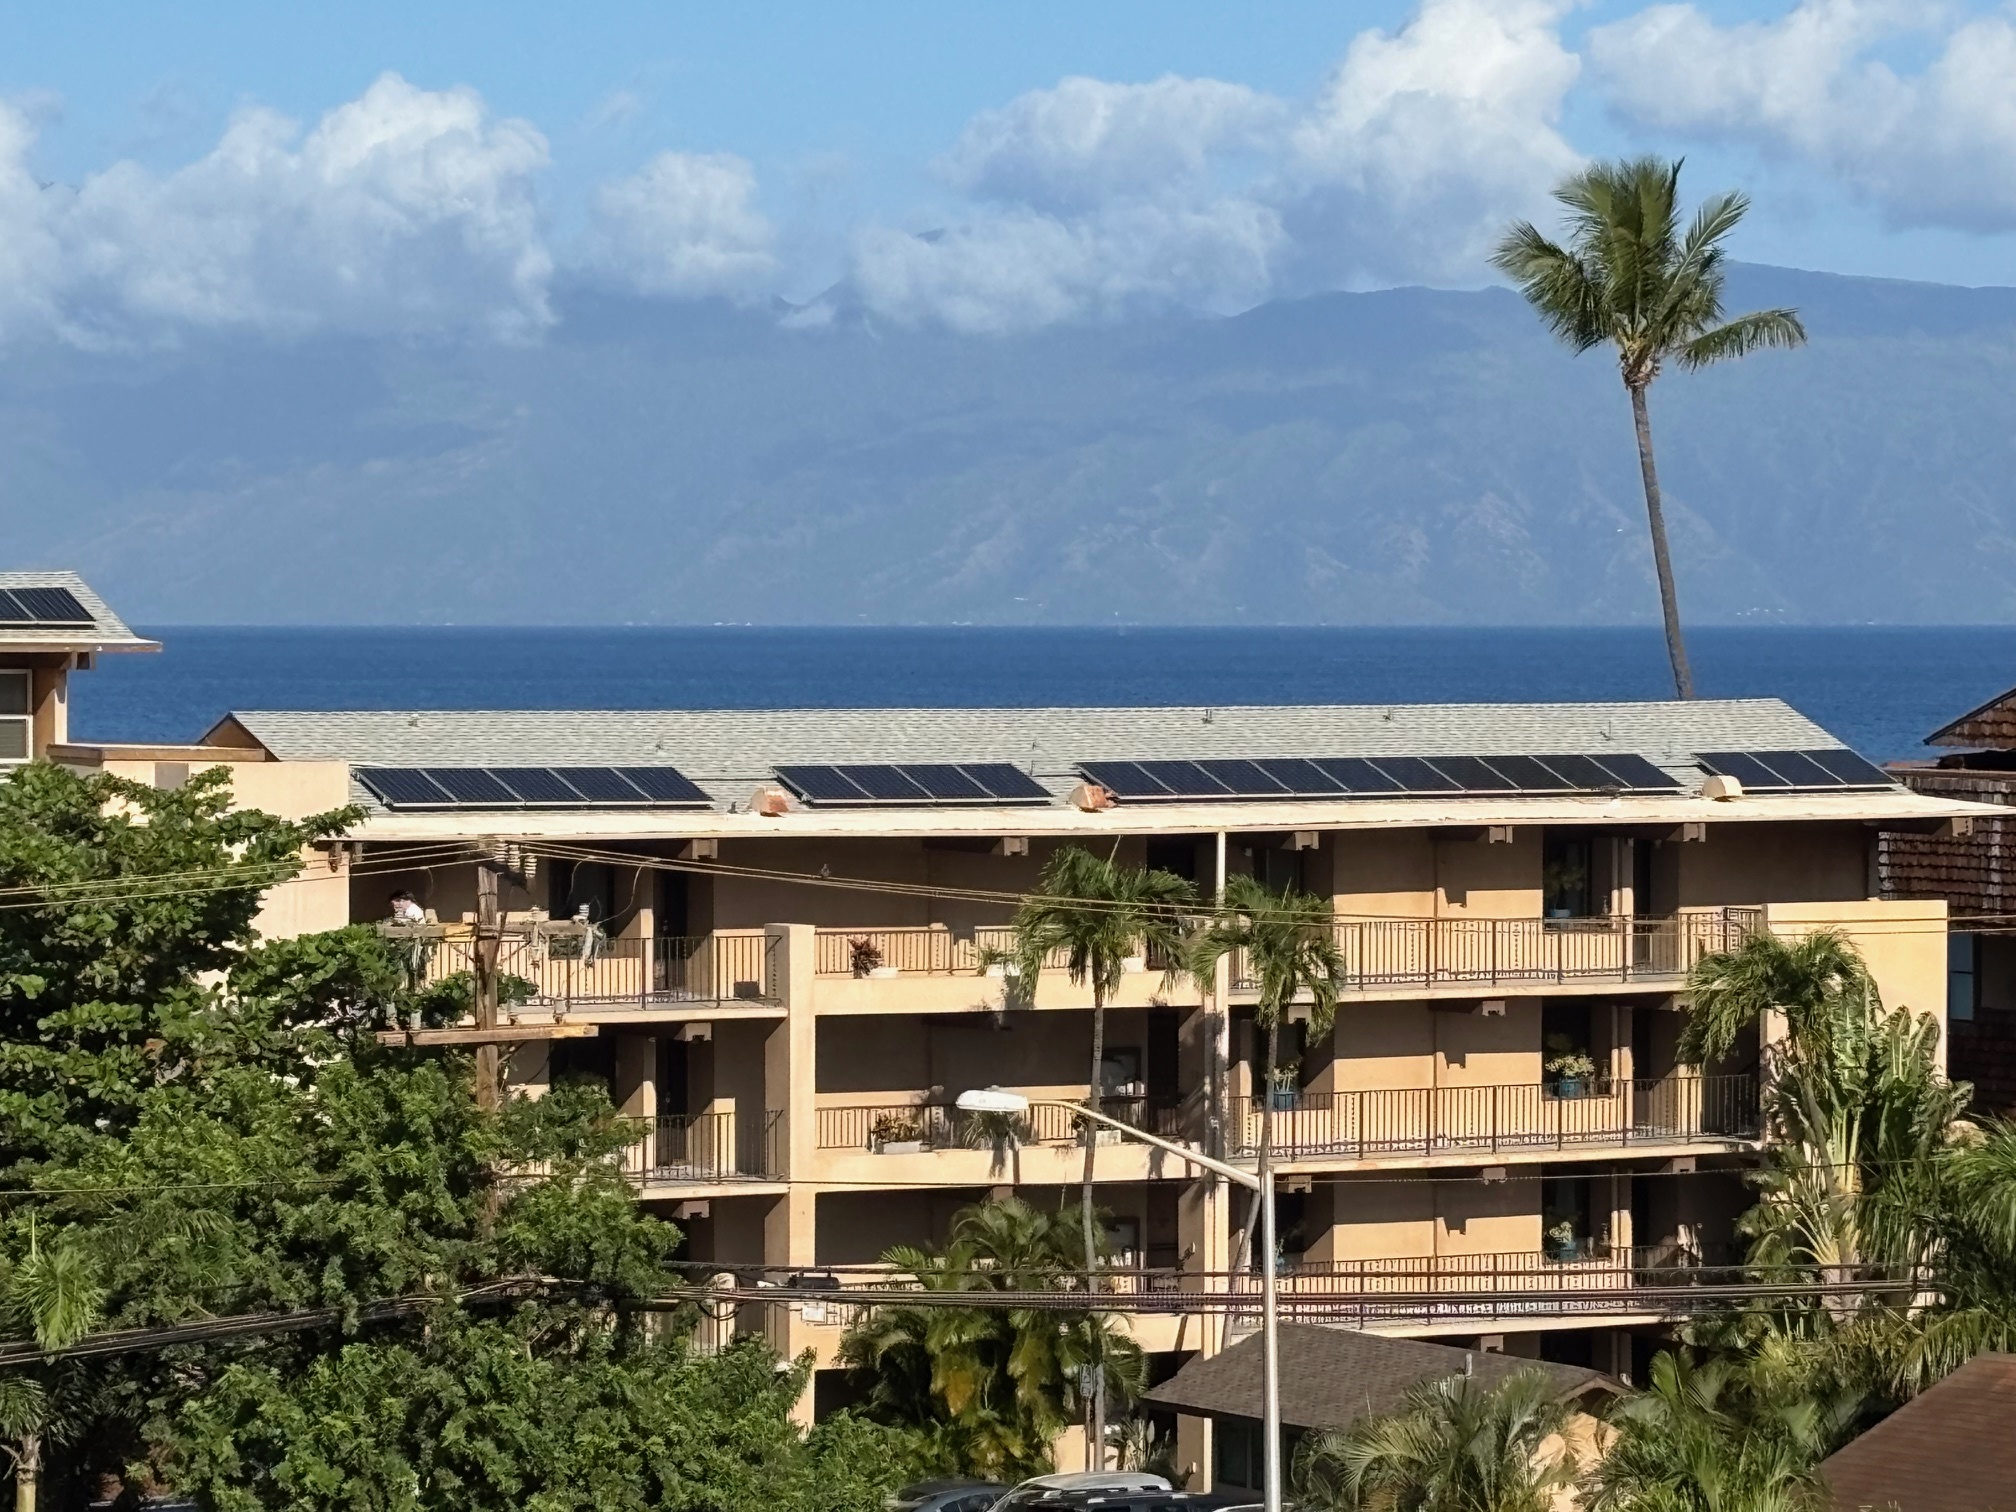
(1146, 1501)
(1055, 1491)
(947, 1496)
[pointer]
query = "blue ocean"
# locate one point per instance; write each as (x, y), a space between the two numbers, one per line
(1882, 690)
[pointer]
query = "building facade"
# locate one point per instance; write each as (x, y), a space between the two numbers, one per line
(789, 933)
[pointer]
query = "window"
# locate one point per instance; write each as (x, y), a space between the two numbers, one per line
(14, 717)
(1565, 880)
(1963, 977)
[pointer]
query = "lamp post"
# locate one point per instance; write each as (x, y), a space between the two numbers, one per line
(1000, 1100)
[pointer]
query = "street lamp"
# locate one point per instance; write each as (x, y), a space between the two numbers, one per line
(1000, 1100)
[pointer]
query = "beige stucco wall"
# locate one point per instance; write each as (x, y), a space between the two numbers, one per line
(1904, 944)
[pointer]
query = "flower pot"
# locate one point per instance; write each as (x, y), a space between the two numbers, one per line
(1570, 1086)
(899, 1147)
(1133, 963)
(882, 973)
(1282, 1099)
(1001, 970)
(1563, 1252)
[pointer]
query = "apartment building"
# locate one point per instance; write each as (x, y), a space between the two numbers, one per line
(787, 931)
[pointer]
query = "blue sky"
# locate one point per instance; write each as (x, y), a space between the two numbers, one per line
(442, 169)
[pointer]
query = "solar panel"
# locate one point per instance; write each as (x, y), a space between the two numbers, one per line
(1244, 778)
(1474, 775)
(1185, 779)
(1798, 769)
(1635, 774)
(1531, 775)
(1582, 773)
(1850, 768)
(820, 784)
(540, 785)
(470, 786)
(1007, 782)
(1744, 767)
(1123, 779)
(663, 784)
(886, 784)
(403, 787)
(1411, 774)
(603, 785)
(52, 606)
(1354, 774)
(946, 784)
(1303, 778)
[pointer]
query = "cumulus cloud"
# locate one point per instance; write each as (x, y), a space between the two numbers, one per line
(404, 210)
(1934, 145)
(686, 225)
(1099, 197)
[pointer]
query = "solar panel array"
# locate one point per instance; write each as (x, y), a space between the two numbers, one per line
(863, 786)
(1376, 777)
(42, 606)
(532, 787)
(1815, 770)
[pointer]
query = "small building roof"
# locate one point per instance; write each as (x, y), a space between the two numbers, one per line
(1992, 726)
(1947, 1450)
(105, 632)
(1331, 1377)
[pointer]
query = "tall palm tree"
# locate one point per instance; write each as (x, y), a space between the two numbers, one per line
(1631, 278)
(992, 1385)
(1289, 939)
(55, 1294)
(1456, 1445)
(1096, 913)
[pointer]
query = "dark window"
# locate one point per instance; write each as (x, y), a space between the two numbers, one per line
(1567, 881)
(1176, 856)
(1963, 977)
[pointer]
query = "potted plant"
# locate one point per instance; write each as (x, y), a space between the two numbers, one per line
(896, 1134)
(1100, 1134)
(998, 963)
(865, 957)
(1284, 1086)
(1562, 1243)
(1133, 963)
(1570, 1068)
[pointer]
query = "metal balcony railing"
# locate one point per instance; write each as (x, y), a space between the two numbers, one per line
(705, 1148)
(920, 950)
(1509, 952)
(940, 1126)
(561, 970)
(1486, 1119)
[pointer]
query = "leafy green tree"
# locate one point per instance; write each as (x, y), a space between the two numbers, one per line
(1631, 278)
(1719, 1436)
(1455, 1445)
(990, 1387)
(1289, 941)
(1096, 913)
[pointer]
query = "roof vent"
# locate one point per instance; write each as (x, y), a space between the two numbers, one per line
(1721, 788)
(770, 802)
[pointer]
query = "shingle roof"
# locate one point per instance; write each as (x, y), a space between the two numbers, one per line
(106, 630)
(731, 750)
(1331, 1377)
(1949, 1450)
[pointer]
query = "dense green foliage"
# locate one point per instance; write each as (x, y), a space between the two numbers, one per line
(195, 1125)
(990, 1387)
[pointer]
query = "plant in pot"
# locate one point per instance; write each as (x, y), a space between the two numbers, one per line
(864, 956)
(998, 963)
(1283, 1087)
(1569, 1068)
(896, 1134)
(1563, 1244)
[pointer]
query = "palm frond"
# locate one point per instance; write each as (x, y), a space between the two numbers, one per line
(1745, 334)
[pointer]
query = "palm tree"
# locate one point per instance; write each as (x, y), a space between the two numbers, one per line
(1096, 913)
(1289, 939)
(1454, 1446)
(1723, 1436)
(1858, 1109)
(55, 1294)
(992, 1386)
(1630, 277)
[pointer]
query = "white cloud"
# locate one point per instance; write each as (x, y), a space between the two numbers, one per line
(686, 225)
(1101, 197)
(1087, 140)
(405, 210)
(1934, 145)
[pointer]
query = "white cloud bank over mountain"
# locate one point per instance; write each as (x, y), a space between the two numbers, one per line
(419, 213)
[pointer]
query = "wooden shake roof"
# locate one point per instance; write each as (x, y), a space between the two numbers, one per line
(1949, 1450)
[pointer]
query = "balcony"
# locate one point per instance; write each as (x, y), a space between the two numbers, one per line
(564, 970)
(1491, 1120)
(704, 1150)
(1520, 1286)
(912, 1128)
(1619, 950)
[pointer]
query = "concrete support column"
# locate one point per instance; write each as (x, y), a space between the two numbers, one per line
(635, 1091)
(1621, 1238)
(790, 1080)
